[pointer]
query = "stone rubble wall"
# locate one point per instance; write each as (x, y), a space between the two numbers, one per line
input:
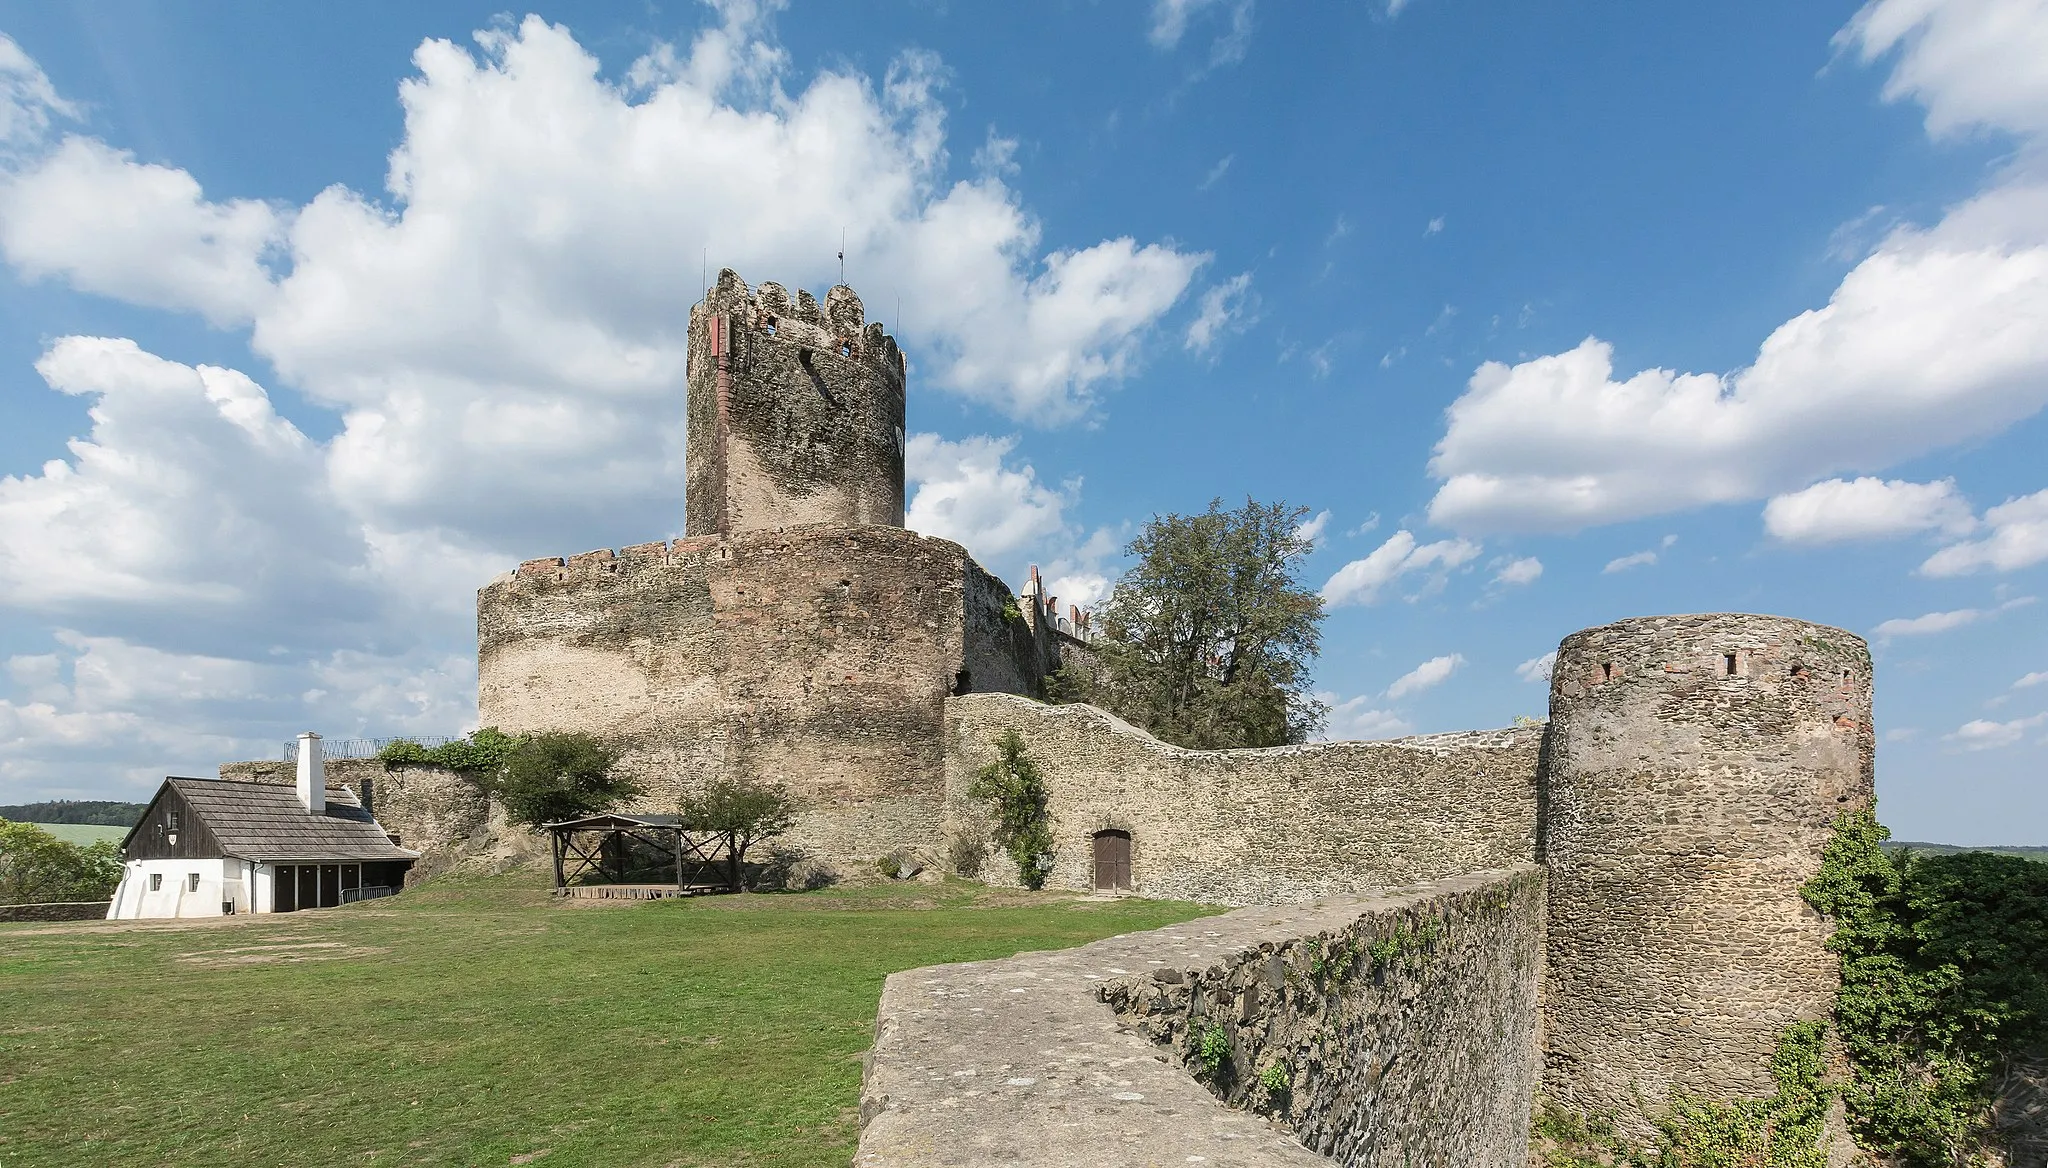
(818, 658)
(1051, 1058)
(1253, 826)
(57, 910)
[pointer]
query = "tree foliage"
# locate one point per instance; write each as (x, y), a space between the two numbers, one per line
(1023, 827)
(548, 777)
(1207, 640)
(745, 812)
(1944, 980)
(38, 868)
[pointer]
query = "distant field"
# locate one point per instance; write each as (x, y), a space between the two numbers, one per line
(83, 833)
(2029, 853)
(479, 1022)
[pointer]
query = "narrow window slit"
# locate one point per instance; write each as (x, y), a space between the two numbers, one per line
(1729, 660)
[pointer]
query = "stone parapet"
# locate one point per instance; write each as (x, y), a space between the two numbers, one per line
(63, 910)
(1050, 1058)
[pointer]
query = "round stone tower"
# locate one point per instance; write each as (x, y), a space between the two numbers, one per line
(1696, 765)
(795, 412)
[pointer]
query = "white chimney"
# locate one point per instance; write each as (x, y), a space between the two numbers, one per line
(312, 774)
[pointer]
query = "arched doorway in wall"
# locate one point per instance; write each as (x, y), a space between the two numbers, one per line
(1112, 861)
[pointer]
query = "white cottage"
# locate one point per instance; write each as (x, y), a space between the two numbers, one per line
(210, 846)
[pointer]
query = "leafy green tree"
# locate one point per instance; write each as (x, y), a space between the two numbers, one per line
(549, 777)
(1207, 640)
(1023, 828)
(745, 812)
(38, 868)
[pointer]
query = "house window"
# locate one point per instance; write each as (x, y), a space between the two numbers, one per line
(172, 814)
(156, 881)
(192, 882)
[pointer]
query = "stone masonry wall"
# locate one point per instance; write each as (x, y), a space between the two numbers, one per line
(1254, 826)
(435, 811)
(1406, 1036)
(818, 657)
(795, 412)
(1418, 1048)
(1697, 766)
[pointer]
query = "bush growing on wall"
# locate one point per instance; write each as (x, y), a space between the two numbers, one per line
(38, 868)
(482, 755)
(1023, 827)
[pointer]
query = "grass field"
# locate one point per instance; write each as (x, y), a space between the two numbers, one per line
(478, 1022)
(83, 833)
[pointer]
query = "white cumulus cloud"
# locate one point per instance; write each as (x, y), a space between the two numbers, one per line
(1983, 734)
(1524, 570)
(2018, 539)
(966, 494)
(1430, 673)
(1537, 668)
(1358, 720)
(1360, 581)
(1866, 508)
(1938, 337)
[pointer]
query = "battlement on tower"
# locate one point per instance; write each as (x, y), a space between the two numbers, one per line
(796, 412)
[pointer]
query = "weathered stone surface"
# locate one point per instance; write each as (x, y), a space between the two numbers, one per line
(1255, 826)
(1688, 798)
(439, 813)
(1021, 1061)
(795, 417)
(817, 657)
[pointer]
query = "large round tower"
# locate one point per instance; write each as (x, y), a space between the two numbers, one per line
(1696, 766)
(795, 412)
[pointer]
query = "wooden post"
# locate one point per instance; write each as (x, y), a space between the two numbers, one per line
(679, 859)
(555, 834)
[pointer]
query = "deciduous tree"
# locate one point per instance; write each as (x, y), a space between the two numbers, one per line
(1207, 640)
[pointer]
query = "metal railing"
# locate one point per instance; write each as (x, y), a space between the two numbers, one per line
(364, 747)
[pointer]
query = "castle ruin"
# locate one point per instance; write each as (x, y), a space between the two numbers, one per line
(1628, 873)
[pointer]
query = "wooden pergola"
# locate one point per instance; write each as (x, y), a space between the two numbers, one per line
(597, 845)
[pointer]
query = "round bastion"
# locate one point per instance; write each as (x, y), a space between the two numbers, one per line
(1696, 767)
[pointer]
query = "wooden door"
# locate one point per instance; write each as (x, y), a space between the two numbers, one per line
(330, 885)
(309, 886)
(1112, 861)
(284, 888)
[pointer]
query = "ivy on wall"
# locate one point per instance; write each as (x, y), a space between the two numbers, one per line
(1023, 826)
(1944, 982)
(482, 754)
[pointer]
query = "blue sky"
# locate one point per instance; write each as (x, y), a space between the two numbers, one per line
(310, 322)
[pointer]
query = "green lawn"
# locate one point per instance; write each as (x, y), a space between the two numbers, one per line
(84, 833)
(477, 1022)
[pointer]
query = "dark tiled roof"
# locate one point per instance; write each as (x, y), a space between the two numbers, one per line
(265, 821)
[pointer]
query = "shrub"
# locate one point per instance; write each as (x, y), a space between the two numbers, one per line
(549, 777)
(38, 868)
(745, 812)
(1023, 826)
(965, 854)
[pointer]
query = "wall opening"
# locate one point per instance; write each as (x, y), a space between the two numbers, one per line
(962, 683)
(1607, 671)
(1728, 661)
(1112, 861)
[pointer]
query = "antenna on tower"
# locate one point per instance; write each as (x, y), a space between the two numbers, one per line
(842, 256)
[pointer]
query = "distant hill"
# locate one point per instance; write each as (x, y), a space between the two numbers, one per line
(101, 811)
(83, 834)
(2028, 853)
